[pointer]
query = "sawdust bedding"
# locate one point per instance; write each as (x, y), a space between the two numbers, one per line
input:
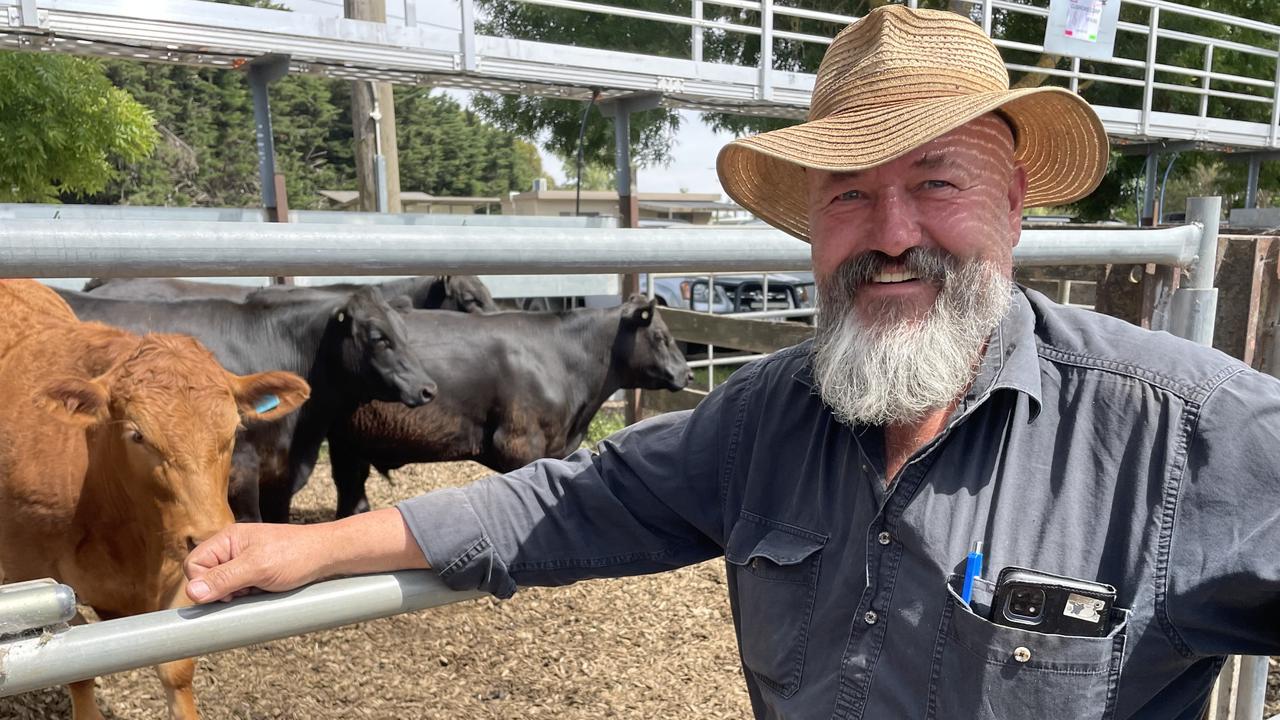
(659, 646)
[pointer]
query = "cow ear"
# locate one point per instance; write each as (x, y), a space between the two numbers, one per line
(640, 314)
(268, 396)
(75, 401)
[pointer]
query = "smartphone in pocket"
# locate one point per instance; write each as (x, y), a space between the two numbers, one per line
(1052, 604)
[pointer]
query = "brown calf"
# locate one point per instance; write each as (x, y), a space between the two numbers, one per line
(114, 456)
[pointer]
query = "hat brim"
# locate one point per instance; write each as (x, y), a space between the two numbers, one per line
(1060, 142)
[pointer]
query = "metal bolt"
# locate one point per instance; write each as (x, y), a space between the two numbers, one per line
(1021, 654)
(871, 617)
(884, 538)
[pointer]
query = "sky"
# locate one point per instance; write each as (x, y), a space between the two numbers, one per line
(694, 153)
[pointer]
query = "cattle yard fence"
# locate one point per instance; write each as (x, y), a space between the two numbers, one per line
(1171, 272)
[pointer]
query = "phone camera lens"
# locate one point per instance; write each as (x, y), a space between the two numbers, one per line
(1025, 604)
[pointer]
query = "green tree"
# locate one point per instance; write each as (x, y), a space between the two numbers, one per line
(63, 124)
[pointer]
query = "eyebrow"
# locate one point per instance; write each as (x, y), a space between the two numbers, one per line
(935, 160)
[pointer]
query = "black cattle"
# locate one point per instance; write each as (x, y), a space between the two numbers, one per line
(466, 293)
(351, 347)
(514, 387)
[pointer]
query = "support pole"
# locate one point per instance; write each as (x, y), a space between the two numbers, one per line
(1251, 187)
(1150, 172)
(628, 201)
(262, 72)
(373, 120)
(1196, 302)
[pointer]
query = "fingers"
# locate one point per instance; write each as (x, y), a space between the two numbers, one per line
(222, 566)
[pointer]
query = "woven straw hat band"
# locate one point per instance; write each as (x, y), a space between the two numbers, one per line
(895, 80)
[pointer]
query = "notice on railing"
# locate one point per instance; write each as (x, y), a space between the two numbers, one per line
(1082, 28)
(1083, 19)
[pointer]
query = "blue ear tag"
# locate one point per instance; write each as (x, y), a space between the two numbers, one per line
(267, 404)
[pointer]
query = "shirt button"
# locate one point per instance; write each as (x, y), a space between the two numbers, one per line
(1021, 654)
(870, 618)
(884, 538)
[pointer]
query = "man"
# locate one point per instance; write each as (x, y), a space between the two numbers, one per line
(845, 480)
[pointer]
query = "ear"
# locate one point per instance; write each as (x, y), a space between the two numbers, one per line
(1017, 193)
(638, 312)
(268, 396)
(75, 401)
(401, 303)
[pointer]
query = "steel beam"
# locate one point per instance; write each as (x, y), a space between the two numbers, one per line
(81, 248)
(86, 651)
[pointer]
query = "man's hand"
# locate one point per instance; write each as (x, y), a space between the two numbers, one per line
(275, 558)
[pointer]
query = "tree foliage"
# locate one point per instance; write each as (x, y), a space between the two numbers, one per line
(62, 125)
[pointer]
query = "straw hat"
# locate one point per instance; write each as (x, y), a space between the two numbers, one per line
(895, 80)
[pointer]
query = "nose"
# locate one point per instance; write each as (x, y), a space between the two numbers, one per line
(418, 396)
(192, 542)
(895, 226)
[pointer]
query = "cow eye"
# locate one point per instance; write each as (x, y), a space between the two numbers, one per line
(136, 437)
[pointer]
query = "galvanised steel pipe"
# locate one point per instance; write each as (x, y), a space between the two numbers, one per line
(80, 248)
(85, 651)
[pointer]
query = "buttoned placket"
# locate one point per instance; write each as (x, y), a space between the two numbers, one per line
(866, 638)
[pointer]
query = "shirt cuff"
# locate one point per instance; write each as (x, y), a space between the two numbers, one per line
(452, 538)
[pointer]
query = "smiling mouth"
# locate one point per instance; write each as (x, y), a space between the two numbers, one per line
(895, 277)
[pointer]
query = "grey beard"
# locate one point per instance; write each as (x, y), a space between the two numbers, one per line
(896, 370)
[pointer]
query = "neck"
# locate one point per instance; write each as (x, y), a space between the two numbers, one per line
(903, 440)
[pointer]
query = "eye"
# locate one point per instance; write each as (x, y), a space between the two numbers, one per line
(850, 195)
(936, 184)
(136, 437)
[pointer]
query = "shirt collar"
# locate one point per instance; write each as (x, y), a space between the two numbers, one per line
(1010, 362)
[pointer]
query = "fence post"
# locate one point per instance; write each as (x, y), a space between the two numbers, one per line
(1195, 303)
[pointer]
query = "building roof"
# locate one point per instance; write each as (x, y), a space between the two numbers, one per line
(643, 197)
(348, 197)
(687, 205)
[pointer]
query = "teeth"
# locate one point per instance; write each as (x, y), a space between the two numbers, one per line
(893, 277)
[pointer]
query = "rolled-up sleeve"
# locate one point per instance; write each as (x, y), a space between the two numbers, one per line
(650, 499)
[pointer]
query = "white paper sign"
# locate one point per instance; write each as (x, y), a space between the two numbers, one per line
(1083, 19)
(1082, 28)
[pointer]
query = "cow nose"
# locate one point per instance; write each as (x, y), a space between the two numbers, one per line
(192, 542)
(428, 393)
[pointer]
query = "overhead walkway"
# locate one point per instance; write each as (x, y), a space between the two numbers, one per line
(196, 32)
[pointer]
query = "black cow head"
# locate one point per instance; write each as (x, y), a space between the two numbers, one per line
(460, 293)
(645, 352)
(375, 348)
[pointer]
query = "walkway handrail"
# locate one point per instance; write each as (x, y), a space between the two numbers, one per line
(86, 651)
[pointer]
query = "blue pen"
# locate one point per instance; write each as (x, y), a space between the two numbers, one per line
(972, 569)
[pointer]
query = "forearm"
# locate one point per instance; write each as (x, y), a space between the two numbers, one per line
(371, 542)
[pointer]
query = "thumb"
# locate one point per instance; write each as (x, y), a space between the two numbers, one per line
(219, 582)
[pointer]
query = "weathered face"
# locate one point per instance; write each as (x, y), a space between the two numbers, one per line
(163, 423)
(376, 349)
(651, 358)
(959, 196)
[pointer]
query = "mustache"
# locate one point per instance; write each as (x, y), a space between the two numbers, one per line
(930, 264)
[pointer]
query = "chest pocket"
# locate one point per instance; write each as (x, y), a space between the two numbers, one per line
(985, 671)
(773, 570)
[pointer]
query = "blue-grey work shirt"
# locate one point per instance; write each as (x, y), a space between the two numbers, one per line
(1087, 447)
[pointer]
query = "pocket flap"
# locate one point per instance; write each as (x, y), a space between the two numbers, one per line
(754, 536)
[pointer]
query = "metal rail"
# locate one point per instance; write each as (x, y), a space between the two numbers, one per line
(218, 35)
(86, 651)
(79, 248)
